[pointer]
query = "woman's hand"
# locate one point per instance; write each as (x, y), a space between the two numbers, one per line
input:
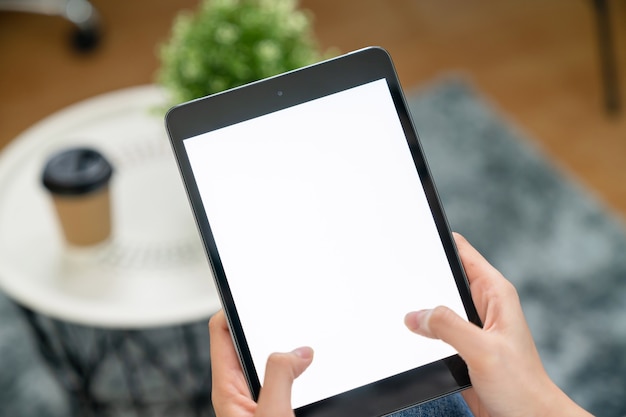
(230, 393)
(507, 375)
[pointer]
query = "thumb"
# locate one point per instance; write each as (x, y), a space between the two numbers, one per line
(281, 370)
(444, 324)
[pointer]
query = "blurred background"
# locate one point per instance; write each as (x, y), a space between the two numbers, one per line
(539, 61)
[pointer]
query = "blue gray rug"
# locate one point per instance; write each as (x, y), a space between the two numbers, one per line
(565, 252)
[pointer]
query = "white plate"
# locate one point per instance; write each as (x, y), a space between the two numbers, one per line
(152, 272)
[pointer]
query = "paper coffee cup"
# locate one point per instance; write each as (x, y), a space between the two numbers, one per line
(78, 181)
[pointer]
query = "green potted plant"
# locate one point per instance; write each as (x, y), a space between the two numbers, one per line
(227, 43)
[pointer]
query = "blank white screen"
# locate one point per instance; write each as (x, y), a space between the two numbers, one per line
(326, 237)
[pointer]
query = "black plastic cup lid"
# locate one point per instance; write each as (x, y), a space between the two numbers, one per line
(76, 171)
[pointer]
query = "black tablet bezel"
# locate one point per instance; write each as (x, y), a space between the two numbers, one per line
(273, 94)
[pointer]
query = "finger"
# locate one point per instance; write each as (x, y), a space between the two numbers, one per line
(223, 354)
(475, 265)
(490, 289)
(444, 324)
(228, 380)
(282, 369)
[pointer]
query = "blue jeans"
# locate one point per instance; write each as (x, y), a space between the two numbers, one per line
(449, 406)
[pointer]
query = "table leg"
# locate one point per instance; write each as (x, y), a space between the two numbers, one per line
(607, 57)
(164, 371)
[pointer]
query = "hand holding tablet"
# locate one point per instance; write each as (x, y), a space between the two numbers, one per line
(511, 383)
(323, 228)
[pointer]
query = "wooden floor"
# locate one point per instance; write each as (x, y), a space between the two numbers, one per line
(536, 59)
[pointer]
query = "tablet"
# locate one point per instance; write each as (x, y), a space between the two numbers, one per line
(323, 228)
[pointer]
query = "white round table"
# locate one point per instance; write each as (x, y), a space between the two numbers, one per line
(122, 324)
(153, 271)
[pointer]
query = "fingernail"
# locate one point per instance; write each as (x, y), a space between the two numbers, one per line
(414, 319)
(303, 352)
